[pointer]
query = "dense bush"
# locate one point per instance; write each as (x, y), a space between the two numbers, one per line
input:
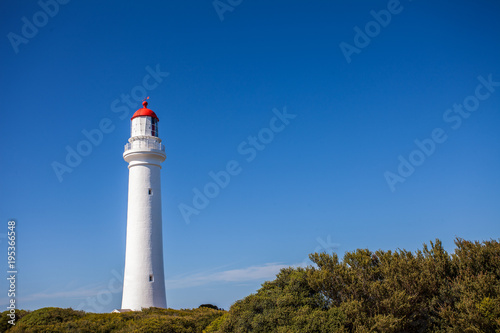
(4, 319)
(210, 306)
(382, 291)
(148, 320)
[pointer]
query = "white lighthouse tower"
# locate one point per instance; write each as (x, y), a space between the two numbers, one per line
(144, 283)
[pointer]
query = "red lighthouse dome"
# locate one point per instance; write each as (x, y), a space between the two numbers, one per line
(144, 122)
(145, 112)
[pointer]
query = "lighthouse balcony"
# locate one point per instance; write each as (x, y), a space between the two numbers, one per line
(144, 145)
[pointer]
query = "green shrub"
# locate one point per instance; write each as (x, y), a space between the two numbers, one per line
(382, 291)
(149, 320)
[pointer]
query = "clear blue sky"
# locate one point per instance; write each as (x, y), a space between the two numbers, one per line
(319, 184)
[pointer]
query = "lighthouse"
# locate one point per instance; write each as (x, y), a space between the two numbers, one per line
(144, 282)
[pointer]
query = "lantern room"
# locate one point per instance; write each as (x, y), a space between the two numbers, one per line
(144, 122)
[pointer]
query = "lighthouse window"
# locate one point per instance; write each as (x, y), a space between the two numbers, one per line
(150, 191)
(151, 278)
(155, 127)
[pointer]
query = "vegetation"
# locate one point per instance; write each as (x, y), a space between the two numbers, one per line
(383, 291)
(210, 306)
(148, 320)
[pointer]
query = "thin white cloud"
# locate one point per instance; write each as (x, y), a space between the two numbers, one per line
(241, 276)
(264, 272)
(82, 292)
